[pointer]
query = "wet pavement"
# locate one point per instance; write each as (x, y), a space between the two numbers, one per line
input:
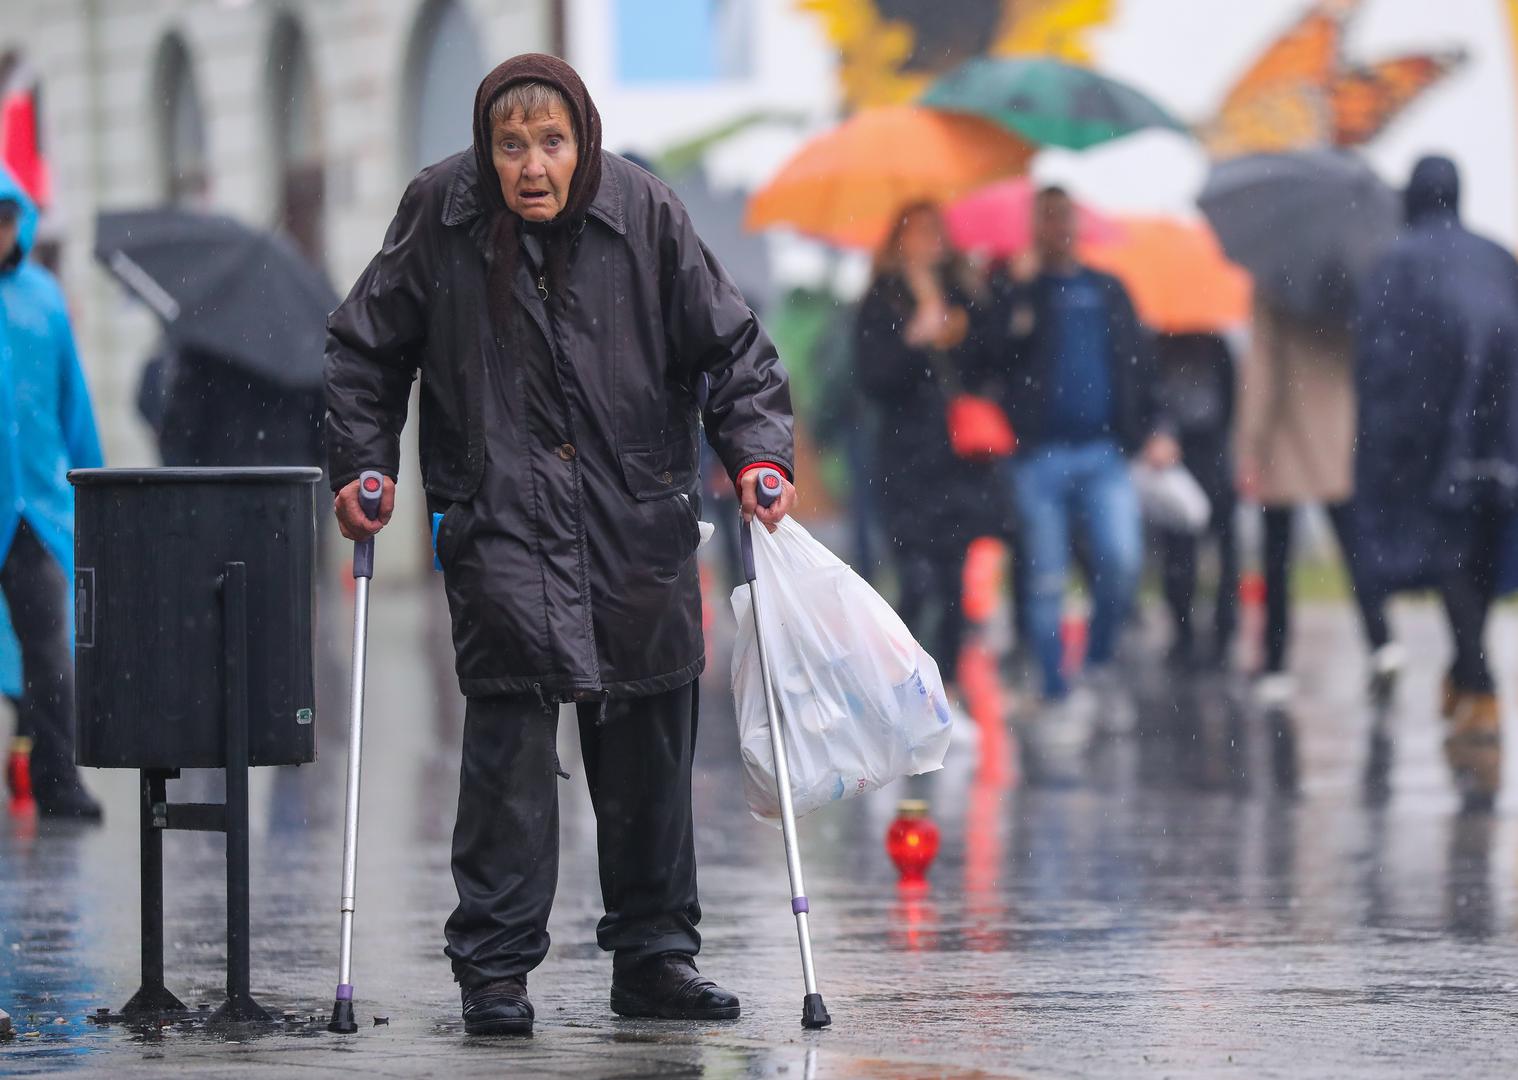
(1225, 893)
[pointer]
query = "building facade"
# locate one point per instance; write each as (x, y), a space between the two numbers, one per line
(307, 115)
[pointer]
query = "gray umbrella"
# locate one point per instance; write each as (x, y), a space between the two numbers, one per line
(1307, 225)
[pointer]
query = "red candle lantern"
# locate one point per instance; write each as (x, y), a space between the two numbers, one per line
(18, 775)
(912, 840)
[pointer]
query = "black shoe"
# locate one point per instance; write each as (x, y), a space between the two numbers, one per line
(668, 987)
(66, 799)
(498, 1007)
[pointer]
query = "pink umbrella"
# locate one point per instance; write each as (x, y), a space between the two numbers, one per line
(997, 221)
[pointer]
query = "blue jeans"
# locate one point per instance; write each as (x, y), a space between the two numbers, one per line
(1058, 489)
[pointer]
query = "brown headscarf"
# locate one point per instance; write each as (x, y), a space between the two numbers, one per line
(505, 225)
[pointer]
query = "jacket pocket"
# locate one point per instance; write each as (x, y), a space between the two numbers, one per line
(659, 471)
(688, 519)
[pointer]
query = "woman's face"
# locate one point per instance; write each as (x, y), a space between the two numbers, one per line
(535, 159)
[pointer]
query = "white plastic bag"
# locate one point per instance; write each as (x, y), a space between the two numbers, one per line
(1171, 498)
(860, 701)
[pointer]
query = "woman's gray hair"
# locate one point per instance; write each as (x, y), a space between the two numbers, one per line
(530, 99)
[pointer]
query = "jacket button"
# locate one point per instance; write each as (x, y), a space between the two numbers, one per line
(567, 451)
(667, 477)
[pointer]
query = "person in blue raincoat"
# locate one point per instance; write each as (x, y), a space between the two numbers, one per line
(46, 428)
(1437, 450)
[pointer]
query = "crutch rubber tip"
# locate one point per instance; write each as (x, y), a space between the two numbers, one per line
(342, 1018)
(814, 1014)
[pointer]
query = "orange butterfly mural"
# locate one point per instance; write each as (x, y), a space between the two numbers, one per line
(1364, 100)
(1301, 92)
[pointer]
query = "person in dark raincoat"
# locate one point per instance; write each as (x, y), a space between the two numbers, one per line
(563, 316)
(1437, 455)
(207, 411)
(1197, 381)
(910, 334)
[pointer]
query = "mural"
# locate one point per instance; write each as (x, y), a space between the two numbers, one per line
(890, 50)
(1303, 92)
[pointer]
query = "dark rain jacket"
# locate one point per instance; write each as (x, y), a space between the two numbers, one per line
(214, 412)
(1018, 355)
(566, 541)
(928, 495)
(1436, 356)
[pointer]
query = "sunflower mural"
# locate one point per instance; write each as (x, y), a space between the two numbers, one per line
(1301, 92)
(891, 50)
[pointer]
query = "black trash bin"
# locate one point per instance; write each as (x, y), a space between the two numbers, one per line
(194, 650)
(151, 549)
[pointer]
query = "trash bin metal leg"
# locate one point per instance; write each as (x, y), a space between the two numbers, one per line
(152, 998)
(240, 1006)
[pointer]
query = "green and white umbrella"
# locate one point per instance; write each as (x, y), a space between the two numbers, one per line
(1048, 102)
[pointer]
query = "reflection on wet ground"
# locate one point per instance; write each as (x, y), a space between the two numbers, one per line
(1223, 892)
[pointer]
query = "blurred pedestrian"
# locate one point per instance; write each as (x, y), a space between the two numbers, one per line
(1437, 464)
(844, 422)
(1294, 447)
(1077, 382)
(212, 411)
(1197, 386)
(911, 335)
(561, 311)
(46, 428)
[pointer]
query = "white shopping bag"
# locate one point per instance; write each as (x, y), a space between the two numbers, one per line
(1171, 498)
(861, 703)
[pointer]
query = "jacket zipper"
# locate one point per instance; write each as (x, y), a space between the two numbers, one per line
(574, 465)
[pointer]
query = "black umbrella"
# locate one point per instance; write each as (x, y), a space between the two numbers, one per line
(1306, 225)
(223, 289)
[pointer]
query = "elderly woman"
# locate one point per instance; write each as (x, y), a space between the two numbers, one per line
(571, 333)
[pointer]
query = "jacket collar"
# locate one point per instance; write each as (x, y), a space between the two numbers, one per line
(463, 202)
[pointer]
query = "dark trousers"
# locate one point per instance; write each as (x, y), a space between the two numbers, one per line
(1206, 455)
(1466, 588)
(1278, 557)
(1180, 551)
(38, 597)
(506, 838)
(932, 599)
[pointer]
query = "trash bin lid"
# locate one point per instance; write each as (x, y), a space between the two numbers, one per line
(274, 474)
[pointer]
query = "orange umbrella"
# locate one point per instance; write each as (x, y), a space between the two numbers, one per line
(1176, 272)
(846, 185)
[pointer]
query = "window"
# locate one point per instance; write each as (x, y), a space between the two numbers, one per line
(684, 40)
(443, 69)
(181, 125)
(295, 116)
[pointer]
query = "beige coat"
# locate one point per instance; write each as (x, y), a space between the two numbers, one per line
(1296, 415)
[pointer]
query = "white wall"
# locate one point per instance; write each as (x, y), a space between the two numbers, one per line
(1188, 52)
(792, 73)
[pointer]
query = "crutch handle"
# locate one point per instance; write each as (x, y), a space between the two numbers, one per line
(768, 484)
(371, 488)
